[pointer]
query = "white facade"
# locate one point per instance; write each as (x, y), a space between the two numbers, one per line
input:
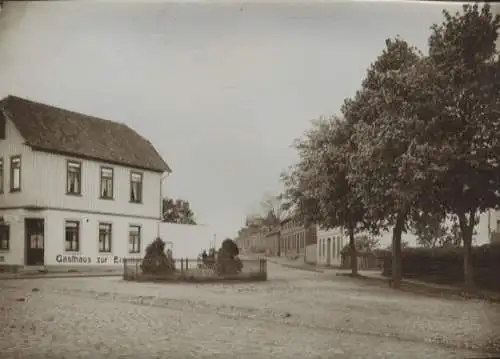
(188, 241)
(329, 246)
(43, 195)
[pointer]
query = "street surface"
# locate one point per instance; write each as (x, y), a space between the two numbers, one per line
(296, 314)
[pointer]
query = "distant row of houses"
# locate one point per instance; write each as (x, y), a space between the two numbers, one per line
(293, 239)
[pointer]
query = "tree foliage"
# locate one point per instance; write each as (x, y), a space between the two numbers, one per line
(463, 131)
(269, 214)
(433, 231)
(384, 172)
(417, 143)
(177, 211)
(319, 183)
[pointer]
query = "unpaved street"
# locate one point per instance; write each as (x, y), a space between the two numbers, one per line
(295, 314)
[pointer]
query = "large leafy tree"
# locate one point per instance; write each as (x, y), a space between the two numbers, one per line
(318, 184)
(177, 211)
(462, 132)
(387, 169)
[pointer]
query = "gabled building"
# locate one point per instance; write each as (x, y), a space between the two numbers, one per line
(74, 188)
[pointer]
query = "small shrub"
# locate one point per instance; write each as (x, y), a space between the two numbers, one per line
(227, 261)
(155, 260)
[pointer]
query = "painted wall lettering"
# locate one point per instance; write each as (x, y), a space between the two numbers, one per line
(73, 259)
(79, 259)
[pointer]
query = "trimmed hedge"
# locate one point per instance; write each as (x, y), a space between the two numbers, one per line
(446, 265)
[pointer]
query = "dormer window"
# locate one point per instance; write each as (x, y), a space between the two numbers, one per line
(106, 183)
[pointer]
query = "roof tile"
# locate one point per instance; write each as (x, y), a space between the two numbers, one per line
(53, 129)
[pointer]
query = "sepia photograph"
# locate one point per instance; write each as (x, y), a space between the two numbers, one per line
(274, 179)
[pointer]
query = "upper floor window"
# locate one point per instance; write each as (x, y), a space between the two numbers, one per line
(134, 239)
(15, 174)
(106, 182)
(72, 231)
(74, 177)
(105, 237)
(136, 187)
(1, 175)
(4, 237)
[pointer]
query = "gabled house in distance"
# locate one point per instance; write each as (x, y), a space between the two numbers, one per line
(74, 188)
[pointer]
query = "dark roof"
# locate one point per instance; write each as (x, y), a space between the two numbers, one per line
(53, 129)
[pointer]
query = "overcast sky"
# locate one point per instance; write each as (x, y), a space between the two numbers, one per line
(221, 90)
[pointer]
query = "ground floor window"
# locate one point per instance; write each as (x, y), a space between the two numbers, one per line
(72, 242)
(105, 237)
(4, 237)
(134, 239)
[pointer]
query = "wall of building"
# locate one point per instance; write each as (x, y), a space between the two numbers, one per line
(89, 237)
(311, 254)
(271, 244)
(330, 244)
(44, 183)
(188, 241)
(88, 253)
(15, 254)
(50, 170)
(295, 237)
(13, 145)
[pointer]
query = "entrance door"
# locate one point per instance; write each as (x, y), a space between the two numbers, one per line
(34, 229)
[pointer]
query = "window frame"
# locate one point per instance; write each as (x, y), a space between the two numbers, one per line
(13, 159)
(110, 227)
(4, 228)
(101, 182)
(131, 239)
(72, 221)
(132, 174)
(68, 166)
(2, 175)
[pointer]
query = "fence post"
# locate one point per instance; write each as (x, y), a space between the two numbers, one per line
(182, 265)
(136, 268)
(187, 266)
(124, 267)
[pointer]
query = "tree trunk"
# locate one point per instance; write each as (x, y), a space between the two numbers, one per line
(354, 254)
(279, 245)
(397, 259)
(467, 229)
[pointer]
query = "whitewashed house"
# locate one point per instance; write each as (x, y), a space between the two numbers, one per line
(74, 189)
(330, 244)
